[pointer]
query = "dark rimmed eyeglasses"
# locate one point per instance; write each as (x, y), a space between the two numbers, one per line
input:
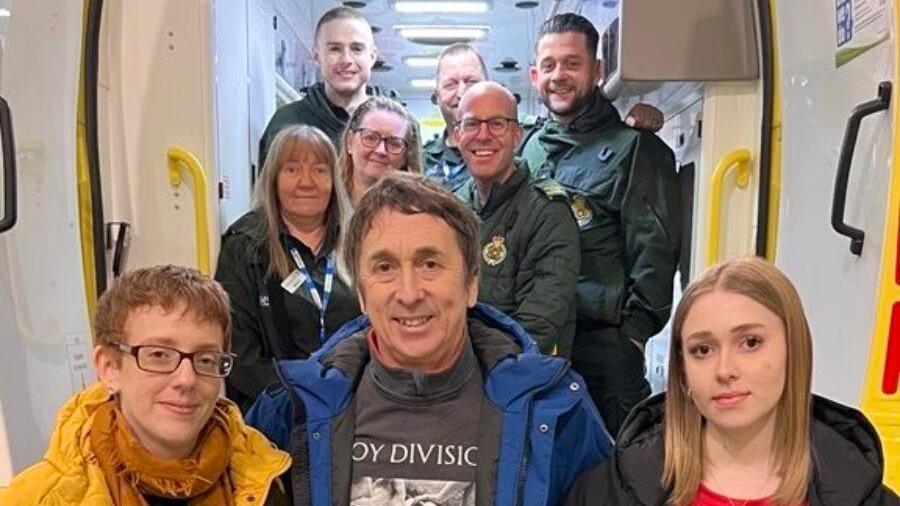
(371, 139)
(163, 359)
(496, 126)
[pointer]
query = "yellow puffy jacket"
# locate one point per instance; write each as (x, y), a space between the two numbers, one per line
(69, 473)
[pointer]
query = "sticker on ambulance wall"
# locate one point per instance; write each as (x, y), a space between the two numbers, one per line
(860, 26)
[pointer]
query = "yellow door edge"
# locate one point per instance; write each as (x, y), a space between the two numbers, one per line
(775, 142)
(83, 178)
(883, 409)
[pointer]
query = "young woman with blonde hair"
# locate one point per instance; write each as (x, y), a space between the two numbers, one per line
(738, 425)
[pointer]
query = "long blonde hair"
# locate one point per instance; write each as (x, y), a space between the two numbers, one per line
(265, 199)
(684, 425)
(413, 139)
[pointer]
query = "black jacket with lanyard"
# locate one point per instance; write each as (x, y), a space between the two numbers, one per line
(848, 464)
(268, 321)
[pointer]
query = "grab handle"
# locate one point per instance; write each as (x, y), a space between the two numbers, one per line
(182, 156)
(741, 158)
(10, 193)
(839, 200)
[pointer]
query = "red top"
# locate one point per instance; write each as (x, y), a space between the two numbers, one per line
(706, 497)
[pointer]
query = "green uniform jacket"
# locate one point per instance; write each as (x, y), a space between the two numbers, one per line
(444, 164)
(623, 188)
(529, 257)
(313, 109)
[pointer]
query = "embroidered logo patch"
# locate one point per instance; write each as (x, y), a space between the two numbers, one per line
(582, 210)
(494, 252)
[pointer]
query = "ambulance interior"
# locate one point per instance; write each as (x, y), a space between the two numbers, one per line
(136, 129)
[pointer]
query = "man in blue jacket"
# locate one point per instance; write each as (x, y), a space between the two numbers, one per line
(429, 396)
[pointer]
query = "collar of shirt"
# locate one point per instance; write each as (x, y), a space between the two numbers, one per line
(500, 192)
(417, 387)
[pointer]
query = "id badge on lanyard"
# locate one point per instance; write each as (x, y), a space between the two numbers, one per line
(320, 300)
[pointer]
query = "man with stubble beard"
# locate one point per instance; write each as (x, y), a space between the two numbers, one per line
(624, 195)
(460, 66)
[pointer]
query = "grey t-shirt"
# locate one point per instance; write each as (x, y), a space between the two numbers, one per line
(416, 440)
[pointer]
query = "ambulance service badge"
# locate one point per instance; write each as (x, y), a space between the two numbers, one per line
(582, 210)
(494, 252)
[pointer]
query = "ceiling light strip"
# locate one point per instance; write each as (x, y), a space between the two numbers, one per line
(406, 7)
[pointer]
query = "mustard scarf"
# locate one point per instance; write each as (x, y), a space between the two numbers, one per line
(131, 471)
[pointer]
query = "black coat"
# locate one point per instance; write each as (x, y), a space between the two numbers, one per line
(314, 109)
(268, 322)
(847, 461)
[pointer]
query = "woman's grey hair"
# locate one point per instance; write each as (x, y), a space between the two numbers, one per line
(266, 202)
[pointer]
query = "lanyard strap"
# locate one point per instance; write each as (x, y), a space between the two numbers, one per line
(320, 301)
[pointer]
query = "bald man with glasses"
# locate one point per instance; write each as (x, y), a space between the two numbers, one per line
(529, 238)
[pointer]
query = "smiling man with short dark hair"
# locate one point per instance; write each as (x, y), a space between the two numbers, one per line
(344, 50)
(430, 396)
(626, 199)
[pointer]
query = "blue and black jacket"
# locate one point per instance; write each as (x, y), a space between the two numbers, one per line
(541, 418)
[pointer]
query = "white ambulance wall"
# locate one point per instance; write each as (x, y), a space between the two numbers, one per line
(158, 80)
(6, 467)
(260, 71)
(732, 113)
(43, 314)
(232, 107)
(838, 288)
(294, 33)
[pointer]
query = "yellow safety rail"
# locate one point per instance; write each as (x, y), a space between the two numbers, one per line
(741, 158)
(177, 157)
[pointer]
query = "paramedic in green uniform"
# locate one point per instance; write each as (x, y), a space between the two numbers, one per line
(624, 196)
(529, 239)
(459, 67)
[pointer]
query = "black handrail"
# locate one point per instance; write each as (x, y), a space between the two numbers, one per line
(10, 214)
(767, 75)
(91, 58)
(117, 234)
(881, 103)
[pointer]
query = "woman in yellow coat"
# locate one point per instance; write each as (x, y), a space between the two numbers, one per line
(155, 431)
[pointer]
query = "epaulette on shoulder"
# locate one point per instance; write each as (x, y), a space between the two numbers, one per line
(552, 189)
(531, 121)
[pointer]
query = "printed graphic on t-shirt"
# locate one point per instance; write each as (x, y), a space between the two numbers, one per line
(368, 451)
(404, 450)
(413, 473)
(368, 491)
